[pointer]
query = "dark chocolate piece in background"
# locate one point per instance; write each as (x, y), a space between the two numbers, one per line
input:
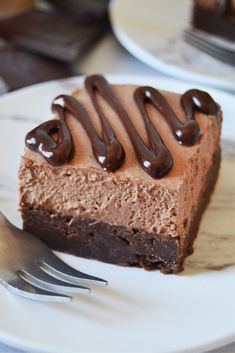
(83, 10)
(52, 34)
(60, 30)
(20, 69)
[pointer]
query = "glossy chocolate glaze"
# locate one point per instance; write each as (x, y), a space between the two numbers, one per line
(108, 151)
(185, 133)
(154, 157)
(55, 151)
(197, 100)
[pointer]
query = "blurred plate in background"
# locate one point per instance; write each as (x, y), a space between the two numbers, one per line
(152, 31)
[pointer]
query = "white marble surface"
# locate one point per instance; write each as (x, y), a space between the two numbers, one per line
(110, 57)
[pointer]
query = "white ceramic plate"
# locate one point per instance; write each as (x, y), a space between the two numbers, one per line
(139, 311)
(152, 31)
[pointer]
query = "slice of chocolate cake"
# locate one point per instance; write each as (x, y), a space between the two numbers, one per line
(215, 16)
(122, 173)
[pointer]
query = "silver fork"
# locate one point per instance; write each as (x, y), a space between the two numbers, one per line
(199, 41)
(29, 268)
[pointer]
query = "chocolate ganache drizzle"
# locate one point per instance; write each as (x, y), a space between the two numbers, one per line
(108, 151)
(53, 139)
(55, 152)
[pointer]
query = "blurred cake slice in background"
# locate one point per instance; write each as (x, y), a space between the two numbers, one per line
(215, 16)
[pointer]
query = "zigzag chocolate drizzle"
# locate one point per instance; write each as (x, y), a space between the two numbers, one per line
(155, 158)
(108, 151)
(186, 133)
(195, 99)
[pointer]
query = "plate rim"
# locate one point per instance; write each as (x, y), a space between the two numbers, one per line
(21, 344)
(78, 79)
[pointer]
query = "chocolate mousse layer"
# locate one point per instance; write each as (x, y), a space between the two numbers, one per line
(117, 244)
(135, 197)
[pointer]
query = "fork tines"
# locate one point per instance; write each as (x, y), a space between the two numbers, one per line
(207, 46)
(29, 268)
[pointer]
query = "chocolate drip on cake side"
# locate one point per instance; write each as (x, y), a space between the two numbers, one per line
(155, 158)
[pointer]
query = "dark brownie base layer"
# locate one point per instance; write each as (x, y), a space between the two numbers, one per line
(115, 244)
(213, 23)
